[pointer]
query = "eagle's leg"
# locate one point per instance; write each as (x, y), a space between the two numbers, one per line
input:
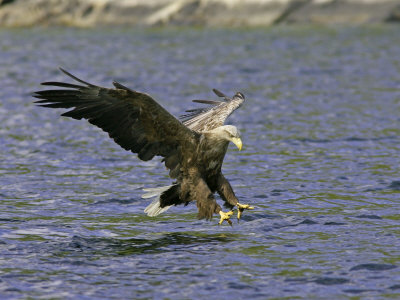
(207, 205)
(225, 217)
(226, 192)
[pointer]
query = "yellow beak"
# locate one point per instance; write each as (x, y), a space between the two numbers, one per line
(237, 142)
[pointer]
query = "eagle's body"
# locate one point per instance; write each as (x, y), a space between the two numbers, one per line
(193, 151)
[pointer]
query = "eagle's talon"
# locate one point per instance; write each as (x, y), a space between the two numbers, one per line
(241, 208)
(225, 217)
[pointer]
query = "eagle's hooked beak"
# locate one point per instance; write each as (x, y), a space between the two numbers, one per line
(237, 142)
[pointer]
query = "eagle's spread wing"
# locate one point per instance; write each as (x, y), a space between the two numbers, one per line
(213, 116)
(134, 120)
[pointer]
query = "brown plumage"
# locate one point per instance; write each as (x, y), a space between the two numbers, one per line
(193, 151)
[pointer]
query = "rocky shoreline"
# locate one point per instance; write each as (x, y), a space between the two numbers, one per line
(212, 13)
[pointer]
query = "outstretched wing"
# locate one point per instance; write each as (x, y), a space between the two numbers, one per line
(134, 120)
(214, 115)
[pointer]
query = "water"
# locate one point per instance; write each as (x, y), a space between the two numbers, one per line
(320, 163)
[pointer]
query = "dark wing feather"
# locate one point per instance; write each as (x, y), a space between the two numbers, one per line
(220, 94)
(214, 115)
(134, 120)
(206, 102)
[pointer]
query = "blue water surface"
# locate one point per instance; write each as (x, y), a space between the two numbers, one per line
(320, 163)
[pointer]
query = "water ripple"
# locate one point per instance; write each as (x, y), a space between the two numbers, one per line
(320, 163)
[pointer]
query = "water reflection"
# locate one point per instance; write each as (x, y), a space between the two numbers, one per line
(176, 241)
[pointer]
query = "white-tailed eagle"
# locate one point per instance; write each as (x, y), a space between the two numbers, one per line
(193, 150)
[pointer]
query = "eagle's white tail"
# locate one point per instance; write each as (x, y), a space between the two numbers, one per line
(154, 209)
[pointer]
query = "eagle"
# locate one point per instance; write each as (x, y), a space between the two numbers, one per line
(192, 149)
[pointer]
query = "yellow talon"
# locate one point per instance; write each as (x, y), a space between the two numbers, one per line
(225, 217)
(241, 208)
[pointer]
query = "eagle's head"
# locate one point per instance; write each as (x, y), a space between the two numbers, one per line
(229, 133)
